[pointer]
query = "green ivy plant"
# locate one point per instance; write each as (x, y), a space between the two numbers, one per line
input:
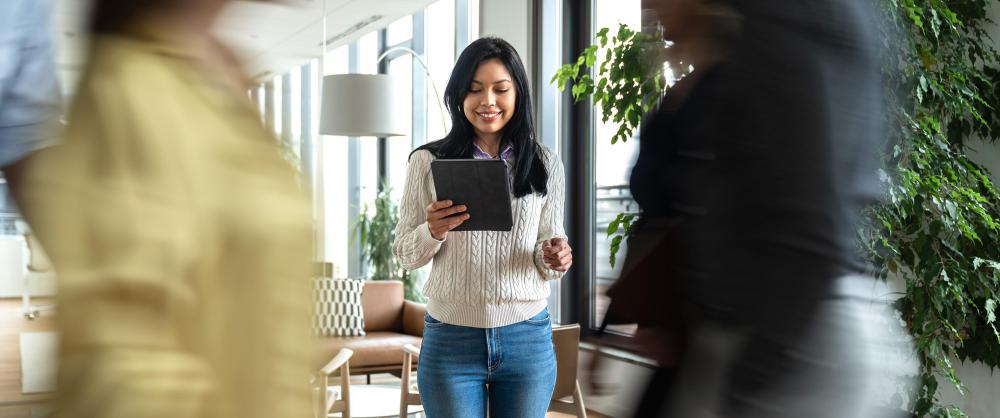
(630, 80)
(629, 84)
(938, 229)
(376, 232)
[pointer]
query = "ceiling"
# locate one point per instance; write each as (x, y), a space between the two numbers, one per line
(271, 36)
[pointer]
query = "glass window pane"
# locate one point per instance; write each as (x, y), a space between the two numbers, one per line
(399, 31)
(261, 91)
(8, 210)
(440, 57)
(399, 147)
(335, 174)
(277, 105)
(368, 53)
(336, 61)
(369, 170)
(612, 166)
(296, 98)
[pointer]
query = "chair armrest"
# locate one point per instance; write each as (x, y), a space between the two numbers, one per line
(413, 318)
(337, 362)
(411, 349)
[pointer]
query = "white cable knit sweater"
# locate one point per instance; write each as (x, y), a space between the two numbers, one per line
(482, 279)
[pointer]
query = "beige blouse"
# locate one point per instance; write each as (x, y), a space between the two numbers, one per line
(181, 241)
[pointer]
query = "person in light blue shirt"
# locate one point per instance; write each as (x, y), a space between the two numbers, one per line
(30, 100)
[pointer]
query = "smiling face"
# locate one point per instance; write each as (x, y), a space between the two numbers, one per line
(491, 100)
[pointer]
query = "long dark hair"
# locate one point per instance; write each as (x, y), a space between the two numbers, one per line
(530, 175)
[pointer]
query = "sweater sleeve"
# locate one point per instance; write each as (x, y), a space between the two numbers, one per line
(414, 246)
(551, 222)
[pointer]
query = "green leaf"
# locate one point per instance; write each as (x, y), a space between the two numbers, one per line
(613, 226)
(602, 35)
(615, 244)
(590, 54)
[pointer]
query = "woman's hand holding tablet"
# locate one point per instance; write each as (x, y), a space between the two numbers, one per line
(443, 216)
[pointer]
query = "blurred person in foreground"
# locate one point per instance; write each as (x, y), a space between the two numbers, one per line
(180, 236)
(752, 176)
(30, 102)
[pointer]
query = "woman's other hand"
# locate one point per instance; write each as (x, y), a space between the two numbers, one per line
(557, 254)
(443, 216)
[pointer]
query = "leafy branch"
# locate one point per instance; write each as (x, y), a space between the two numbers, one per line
(630, 83)
(620, 228)
(630, 79)
(939, 228)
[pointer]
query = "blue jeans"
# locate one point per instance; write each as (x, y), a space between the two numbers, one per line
(511, 370)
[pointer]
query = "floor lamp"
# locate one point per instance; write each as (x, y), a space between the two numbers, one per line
(362, 104)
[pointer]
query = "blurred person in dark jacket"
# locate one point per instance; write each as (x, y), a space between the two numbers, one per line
(180, 236)
(752, 177)
(701, 33)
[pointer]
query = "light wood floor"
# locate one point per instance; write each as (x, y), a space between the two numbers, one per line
(14, 404)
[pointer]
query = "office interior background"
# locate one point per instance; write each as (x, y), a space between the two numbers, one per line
(289, 46)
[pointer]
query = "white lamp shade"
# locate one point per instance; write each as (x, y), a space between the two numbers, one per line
(359, 105)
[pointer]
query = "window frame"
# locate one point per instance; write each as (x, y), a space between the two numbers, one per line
(567, 26)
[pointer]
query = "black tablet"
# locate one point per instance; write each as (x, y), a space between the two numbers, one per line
(482, 186)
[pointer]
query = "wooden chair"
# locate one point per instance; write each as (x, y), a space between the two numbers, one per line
(35, 262)
(337, 398)
(566, 339)
(408, 394)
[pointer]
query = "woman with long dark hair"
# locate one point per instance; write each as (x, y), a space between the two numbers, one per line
(487, 336)
(180, 235)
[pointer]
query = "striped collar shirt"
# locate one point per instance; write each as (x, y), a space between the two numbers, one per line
(479, 154)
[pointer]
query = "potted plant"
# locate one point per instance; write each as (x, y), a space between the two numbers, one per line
(376, 232)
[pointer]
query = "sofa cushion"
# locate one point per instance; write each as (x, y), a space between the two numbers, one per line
(413, 318)
(378, 348)
(338, 308)
(383, 305)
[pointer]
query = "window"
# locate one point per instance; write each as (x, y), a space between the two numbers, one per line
(368, 53)
(276, 109)
(336, 170)
(261, 91)
(295, 107)
(399, 147)
(399, 31)
(440, 58)
(8, 211)
(612, 166)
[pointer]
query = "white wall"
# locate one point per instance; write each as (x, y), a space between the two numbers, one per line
(983, 387)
